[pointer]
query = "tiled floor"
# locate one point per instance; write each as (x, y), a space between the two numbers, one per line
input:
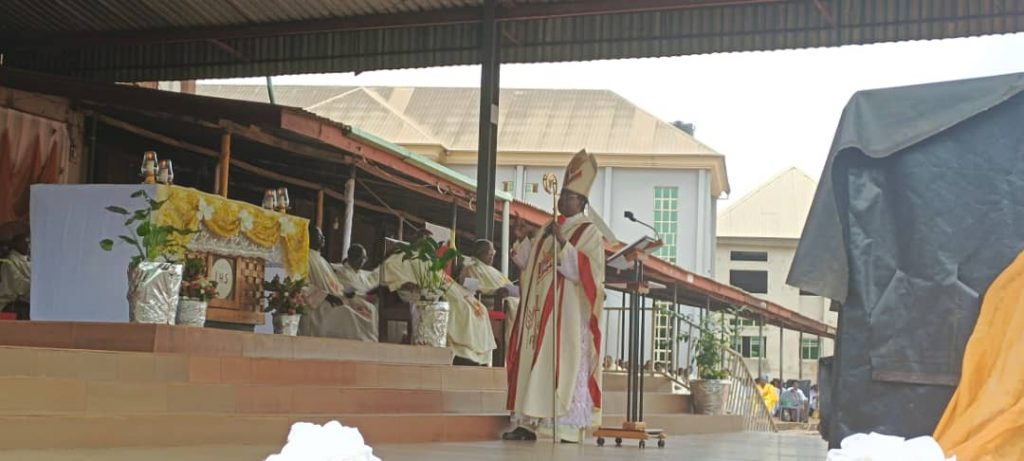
(718, 447)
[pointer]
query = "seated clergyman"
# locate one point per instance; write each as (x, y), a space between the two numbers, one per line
(332, 314)
(480, 267)
(469, 329)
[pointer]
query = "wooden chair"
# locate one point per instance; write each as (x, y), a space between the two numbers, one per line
(390, 307)
(497, 313)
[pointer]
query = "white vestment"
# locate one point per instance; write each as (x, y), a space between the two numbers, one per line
(357, 284)
(492, 280)
(346, 321)
(469, 328)
(15, 278)
(567, 366)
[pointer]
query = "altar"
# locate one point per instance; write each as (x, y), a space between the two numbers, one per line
(74, 279)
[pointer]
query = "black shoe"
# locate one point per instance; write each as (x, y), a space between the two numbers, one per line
(519, 434)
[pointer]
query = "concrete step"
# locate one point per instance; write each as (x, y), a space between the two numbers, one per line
(137, 337)
(683, 424)
(656, 402)
(616, 381)
(182, 368)
(48, 396)
(133, 430)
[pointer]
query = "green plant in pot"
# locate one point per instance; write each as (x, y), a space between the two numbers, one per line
(709, 390)
(154, 274)
(429, 263)
(429, 260)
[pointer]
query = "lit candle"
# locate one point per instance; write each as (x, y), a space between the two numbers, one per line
(166, 174)
(149, 167)
(283, 202)
(270, 199)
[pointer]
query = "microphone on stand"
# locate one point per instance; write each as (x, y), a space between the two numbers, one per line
(629, 215)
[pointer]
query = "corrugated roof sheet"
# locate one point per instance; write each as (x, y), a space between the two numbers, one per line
(776, 209)
(530, 120)
(764, 25)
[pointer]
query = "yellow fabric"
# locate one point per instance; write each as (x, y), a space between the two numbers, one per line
(770, 395)
(186, 208)
(985, 419)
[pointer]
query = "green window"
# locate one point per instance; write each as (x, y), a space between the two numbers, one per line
(810, 349)
(666, 220)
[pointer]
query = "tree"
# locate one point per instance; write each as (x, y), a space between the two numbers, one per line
(689, 128)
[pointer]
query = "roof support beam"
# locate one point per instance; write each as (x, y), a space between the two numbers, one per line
(503, 13)
(487, 138)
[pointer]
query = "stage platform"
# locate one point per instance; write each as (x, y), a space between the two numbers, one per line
(137, 337)
(69, 385)
(746, 446)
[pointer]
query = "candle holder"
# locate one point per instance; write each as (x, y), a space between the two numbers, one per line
(166, 173)
(149, 167)
(270, 199)
(283, 202)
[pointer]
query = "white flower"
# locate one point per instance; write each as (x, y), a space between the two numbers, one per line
(205, 211)
(287, 227)
(246, 220)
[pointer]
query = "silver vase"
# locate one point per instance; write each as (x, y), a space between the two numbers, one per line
(709, 396)
(431, 325)
(191, 312)
(286, 324)
(153, 292)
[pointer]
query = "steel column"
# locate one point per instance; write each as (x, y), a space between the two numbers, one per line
(781, 349)
(487, 143)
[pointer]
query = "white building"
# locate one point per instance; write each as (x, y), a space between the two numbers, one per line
(648, 166)
(757, 238)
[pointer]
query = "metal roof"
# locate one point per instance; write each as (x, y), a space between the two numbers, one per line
(776, 209)
(134, 40)
(533, 122)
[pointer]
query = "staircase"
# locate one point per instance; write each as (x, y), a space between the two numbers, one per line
(95, 385)
(664, 408)
(70, 398)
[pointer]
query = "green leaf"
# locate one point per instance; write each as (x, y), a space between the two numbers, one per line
(128, 239)
(117, 209)
(141, 231)
(107, 244)
(138, 193)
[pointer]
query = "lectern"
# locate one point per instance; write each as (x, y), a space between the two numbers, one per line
(634, 427)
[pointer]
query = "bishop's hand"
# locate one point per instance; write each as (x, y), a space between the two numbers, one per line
(556, 229)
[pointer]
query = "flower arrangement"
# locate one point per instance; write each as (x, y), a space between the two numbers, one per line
(194, 284)
(285, 297)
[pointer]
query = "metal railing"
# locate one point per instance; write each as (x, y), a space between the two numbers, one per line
(744, 397)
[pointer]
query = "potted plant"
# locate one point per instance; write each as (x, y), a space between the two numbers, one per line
(431, 311)
(154, 275)
(196, 292)
(712, 386)
(286, 302)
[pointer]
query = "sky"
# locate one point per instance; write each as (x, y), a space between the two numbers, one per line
(765, 111)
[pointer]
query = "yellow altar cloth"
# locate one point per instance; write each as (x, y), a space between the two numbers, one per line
(187, 208)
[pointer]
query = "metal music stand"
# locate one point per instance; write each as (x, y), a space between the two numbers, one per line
(634, 427)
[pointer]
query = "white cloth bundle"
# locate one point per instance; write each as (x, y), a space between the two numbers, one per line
(330, 442)
(878, 447)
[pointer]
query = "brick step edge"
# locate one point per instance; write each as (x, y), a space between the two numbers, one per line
(108, 431)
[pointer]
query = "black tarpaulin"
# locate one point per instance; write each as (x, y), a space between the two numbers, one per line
(919, 207)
